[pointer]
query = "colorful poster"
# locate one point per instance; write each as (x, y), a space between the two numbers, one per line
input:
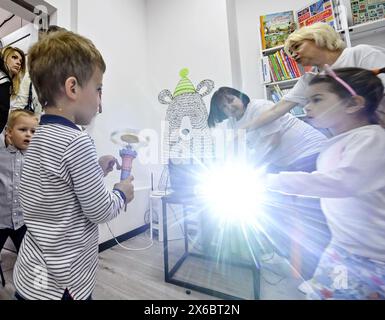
(320, 11)
(367, 10)
(275, 28)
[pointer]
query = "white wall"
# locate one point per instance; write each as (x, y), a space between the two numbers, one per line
(185, 33)
(118, 29)
(63, 16)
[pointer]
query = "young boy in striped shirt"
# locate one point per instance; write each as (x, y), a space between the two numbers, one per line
(62, 191)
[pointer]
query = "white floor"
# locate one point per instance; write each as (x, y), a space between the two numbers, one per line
(127, 275)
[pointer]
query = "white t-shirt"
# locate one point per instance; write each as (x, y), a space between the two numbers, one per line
(350, 180)
(361, 56)
(296, 139)
(21, 99)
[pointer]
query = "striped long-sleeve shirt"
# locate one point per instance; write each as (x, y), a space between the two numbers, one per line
(64, 197)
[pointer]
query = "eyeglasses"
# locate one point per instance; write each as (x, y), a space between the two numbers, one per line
(332, 74)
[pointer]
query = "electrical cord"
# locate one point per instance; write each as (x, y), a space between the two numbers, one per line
(146, 221)
(127, 248)
(264, 266)
(281, 277)
(269, 258)
(273, 283)
(147, 217)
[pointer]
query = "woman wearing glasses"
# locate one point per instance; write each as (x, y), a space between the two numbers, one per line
(315, 46)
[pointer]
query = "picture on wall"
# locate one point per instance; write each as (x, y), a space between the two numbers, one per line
(319, 11)
(367, 10)
(275, 28)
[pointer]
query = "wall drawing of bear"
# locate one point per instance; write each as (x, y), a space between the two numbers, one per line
(186, 134)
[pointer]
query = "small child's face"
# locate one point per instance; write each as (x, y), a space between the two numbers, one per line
(89, 101)
(21, 133)
(325, 109)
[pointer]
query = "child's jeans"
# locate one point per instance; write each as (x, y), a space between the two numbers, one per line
(341, 275)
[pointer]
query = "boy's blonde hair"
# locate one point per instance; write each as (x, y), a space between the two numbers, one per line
(324, 36)
(16, 79)
(58, 56)
(16, 114)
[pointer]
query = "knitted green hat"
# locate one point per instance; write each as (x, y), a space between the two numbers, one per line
(184, 85)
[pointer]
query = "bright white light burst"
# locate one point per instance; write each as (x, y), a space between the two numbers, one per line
(233, 192)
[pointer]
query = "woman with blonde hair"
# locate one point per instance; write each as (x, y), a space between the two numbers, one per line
(26, 97)
(12, 69)
(315, 46)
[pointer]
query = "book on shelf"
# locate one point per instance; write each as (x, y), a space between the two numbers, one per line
(367, 10)
(273, 76)
(275, 28)
(266, 70)
(276, 94)
(318, 11)
(279, 66)
(293, 66)
(290, 71)
(273, 68)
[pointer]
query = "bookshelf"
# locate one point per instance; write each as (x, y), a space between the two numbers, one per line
(356, 32)
(366, 29)
(283, 83)
(351, 33)
(271, 50)
(279, 73)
